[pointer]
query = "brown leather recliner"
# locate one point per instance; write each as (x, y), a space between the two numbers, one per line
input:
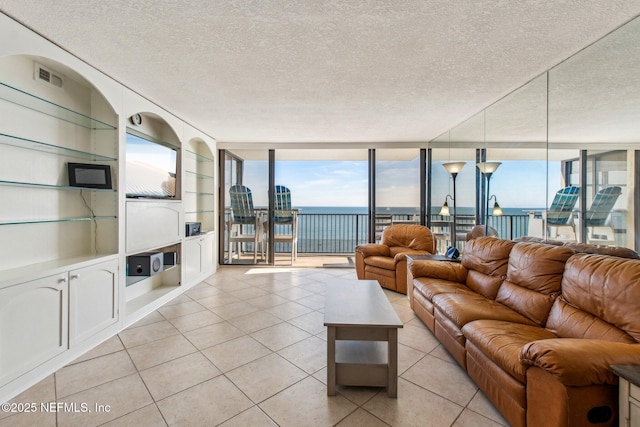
(386, 262)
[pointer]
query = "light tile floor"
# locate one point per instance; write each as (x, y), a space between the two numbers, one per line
(247, 347)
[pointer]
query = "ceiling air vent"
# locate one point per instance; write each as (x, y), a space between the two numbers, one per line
(45, 75)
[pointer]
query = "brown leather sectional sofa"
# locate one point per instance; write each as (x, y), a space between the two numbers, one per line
(535, 325)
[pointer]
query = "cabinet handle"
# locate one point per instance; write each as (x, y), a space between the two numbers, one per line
(75, 276)
(62, 280)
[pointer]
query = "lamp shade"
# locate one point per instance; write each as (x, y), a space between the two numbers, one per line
(445, 209)
(488, 167)
(454, 167)
(497, 210)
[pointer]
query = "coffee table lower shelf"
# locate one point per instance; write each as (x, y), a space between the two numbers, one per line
(358, 360)
(362, 363)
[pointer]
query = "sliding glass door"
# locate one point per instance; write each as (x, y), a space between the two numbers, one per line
(244, 224)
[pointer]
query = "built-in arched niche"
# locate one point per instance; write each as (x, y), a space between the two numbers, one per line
(153, 158)
(199, 184)
(58, 165)
(59, 220)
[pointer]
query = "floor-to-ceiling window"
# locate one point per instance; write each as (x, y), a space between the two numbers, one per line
(328, 191)
(397, 188)
(244, 229)
(318, 200)
(453, 213)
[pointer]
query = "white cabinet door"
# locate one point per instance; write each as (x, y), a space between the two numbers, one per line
(33, 324)
(198, 257)
(93, 300)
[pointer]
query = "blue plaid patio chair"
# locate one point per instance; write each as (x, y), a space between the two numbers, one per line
(557, 222)
(563, 203)
(559, 218)
(599, 227)
(286, 217)
(245, 223)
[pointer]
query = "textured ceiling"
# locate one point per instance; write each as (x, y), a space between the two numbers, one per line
(332, 71)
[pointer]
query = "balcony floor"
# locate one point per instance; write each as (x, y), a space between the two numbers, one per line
(303, 261)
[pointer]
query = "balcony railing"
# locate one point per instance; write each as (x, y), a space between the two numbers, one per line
(329, 233)
(324, 233)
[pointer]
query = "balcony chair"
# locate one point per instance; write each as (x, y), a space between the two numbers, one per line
(598, 216)
(285, 216)
(479, 231)
(465, 225)
(382, 221)
(386, 261)
(558, 217)
(245, 224)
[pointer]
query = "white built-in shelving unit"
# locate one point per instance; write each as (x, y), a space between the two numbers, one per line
(64, 286)
(59, 259)
(199, 200)
(153, 226)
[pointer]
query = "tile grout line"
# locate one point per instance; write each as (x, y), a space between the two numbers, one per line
(310, 281)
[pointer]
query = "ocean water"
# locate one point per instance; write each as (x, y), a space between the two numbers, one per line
(339, 229)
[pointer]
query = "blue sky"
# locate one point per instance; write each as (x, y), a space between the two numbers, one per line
(517, 184)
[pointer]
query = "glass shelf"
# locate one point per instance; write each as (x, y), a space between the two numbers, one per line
(59, 220)
(35, 103)
(199, 175)
(30, 144)
(199, 157)
(55, 187)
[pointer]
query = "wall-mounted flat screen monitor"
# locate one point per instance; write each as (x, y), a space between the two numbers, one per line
(89, 175)
(150, 169)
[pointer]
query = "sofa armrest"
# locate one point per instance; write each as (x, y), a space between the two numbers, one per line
(373, 249)
(443, 270)
(578, 361)
(402, 256)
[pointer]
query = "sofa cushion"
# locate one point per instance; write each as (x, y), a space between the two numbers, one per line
(533, 305)
(464, 308)
(502, 342)
(412, 236)
(537, 266)
(386, 263)
(443, 270)
(430, 287)
(486, 258)
(533, 279)
(567, 321)
(602, 286)
(400, 254)
(484, 284)
(587, 248)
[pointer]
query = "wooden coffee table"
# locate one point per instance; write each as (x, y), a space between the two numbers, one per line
(362, 336)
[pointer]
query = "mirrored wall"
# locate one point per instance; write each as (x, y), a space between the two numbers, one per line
(566, 142)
